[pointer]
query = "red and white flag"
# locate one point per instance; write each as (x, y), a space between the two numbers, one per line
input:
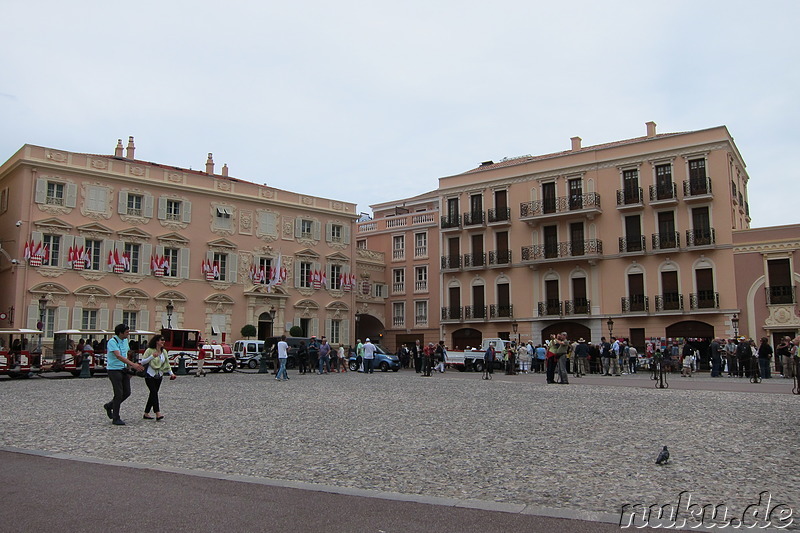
(27, 253)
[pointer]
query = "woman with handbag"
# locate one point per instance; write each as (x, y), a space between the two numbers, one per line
(156, 363)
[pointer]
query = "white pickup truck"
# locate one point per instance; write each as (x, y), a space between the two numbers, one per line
(473, 359)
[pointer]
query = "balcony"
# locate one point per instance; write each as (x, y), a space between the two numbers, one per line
(422, 220)
(664, 194)
(500, 215)
(632, 244)
(475, 260)
(474, 218)
(501, 311)
(638, 303)
(579, 205)
(696, 189)
(399, 254)
(780, 294)
(630, 198)
(500, 257)
(451, 313)
(398, 322)
(421, 286)
(578, 306)
(420, 252)
(671, 301)
(563, 250)
(550, 308)
(475, 312)
(704, 300)
(398, 288)
(421, 320)
(450, 222)
(451, 262)
(701, 237)
(666, 241)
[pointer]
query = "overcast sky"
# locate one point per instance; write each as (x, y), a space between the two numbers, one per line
(371, 101)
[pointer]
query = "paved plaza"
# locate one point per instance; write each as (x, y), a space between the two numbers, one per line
(511, 444)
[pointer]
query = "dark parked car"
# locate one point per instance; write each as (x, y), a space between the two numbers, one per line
(383, 361)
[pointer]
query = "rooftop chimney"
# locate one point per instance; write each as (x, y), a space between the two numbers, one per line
(118, 149)
(225, 170)
(576, 143)
(209, 164)
(130, 148)
(651, 128)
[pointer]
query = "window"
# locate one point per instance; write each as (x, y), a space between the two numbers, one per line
(171, 255)
(361, 244)
(335, 280)
(337, 235)
(174, 210)
(53, 244)
(305, 274)
(96, 198)
(336, 332)
(398, 314)
(89, 319)
(575, 194)
(549, 197)
(379, 290)
(398, 280)
(420, 245)
(222, 218)
(420, 313)
(4, 200)
(132, 253)
(48, 325)
(93, 248)
(633, 234)
(399, 247)
(307, 229)
(664, 182)
(421, 279)
(135, 204)
(221, 261)
(630, 181)
(131, 319)
(55, 193)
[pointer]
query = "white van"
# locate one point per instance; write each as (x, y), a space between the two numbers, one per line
(248, 352)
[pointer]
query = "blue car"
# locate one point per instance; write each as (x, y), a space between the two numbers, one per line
(383, 361)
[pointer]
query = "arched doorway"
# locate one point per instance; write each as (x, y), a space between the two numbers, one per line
(698, 335)
(466, 337)
(367, 326)
(265, 326)
(574, 331)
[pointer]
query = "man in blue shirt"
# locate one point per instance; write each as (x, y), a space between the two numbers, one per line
(117, 363)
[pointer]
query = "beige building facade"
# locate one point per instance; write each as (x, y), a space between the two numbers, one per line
(117, 239)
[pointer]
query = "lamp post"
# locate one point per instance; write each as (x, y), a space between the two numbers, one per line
(357, 318)
(170, 309)
(610, 324)
(42, 308)
(735, 324)
(515, 327)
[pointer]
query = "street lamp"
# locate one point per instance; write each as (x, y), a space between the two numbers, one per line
(610, 324)
(42, 307)
(735, 324)
(170, 309)
(357, 317)
(262, 362)
(515, 327)
(272, 313)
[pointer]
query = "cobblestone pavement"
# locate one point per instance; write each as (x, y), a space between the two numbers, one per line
(588, 446)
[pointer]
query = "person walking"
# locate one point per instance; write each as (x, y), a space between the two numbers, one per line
(416, 354)
(369, 356)
(324, 356)
(313, 353)
(201, 357)
(764, 355)
(283, 354)
(562, 349)
(156, 361)
(117, 363)
(489, 357)
(342, 359)
(302, 357)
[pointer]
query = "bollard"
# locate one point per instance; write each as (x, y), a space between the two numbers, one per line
(262, 364)
(181, 366)
(85, 372)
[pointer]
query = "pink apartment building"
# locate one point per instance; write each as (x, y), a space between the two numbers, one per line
(89, 241)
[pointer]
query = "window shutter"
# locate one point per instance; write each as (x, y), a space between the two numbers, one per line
(328, 232)
(37, 236)
(68, 241)
(122, 204)
(62, 318)
(344, 332)
(33, 315)
(102, 320)
(71, 199)
(144, 258)
(162, 208)
(298, 227)
(144, 319)
(183, 263)
(315, 326)
(346, 234)
(108, 246)
(77, 317)
(148, 205)
(117, 316)
(40, 196)
(186, 211)
(327, 328)
(317, 229)
(272, 224)
(297, 271)
(233, 267)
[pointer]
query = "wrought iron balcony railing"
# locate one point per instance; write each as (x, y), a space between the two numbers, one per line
(697, 186)
(451, 262)
(451, 313)
(500, 214)
(670, 301)
(578, 306)
(562, 250)
(663, 192)
(632, 244)
(501, 311)
(450, 221)
(563, 204)
(551, 308)
(780, 294)
(472, 312)
(500, 257)
(635, 304)
(475, 260)
(700, 237)
(704, 300)
(474, 218)
(666, 241)
(630, 196)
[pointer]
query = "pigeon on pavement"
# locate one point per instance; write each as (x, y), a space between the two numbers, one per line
(663, 456)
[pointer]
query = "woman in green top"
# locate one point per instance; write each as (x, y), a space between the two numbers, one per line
(157, 363)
